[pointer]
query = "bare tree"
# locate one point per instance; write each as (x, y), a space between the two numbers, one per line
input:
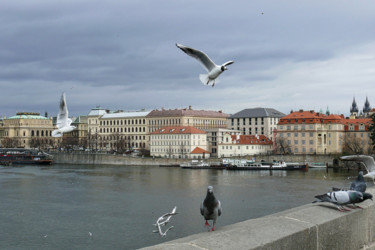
(10, 142)
(353, 145)
(282, 146)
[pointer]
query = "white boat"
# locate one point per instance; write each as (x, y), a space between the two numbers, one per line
(195, 164)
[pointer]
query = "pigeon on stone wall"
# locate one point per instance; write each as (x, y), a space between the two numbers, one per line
(342, 198)
(358, 185)
(210, 208)
(213, 70)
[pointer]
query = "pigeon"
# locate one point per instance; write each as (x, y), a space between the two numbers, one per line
(358, 185)
(210, 208)
(63, 121)
(367, 161)
(342, 198)
(213, 70)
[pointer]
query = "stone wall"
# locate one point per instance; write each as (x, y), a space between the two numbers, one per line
(312, 226)
(110, 159)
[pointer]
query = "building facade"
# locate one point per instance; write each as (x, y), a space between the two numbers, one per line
(27, 130)
(244, 145)
(256, 121)
(178, 142)
(309, 132)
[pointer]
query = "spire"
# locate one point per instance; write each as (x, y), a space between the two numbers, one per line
(354, 108)
(367, 106)
(327, 111)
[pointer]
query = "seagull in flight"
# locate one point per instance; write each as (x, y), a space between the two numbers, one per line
(63, 121)
(213, 70)
(366, 160)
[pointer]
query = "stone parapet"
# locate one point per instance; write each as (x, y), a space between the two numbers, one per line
(312, 226)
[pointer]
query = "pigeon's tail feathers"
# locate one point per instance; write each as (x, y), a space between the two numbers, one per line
(204, 79)
(322, 198)
(56, 133)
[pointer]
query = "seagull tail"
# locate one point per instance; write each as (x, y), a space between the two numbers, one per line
(204, 79)
(56, 133)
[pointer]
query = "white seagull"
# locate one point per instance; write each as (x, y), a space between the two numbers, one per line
(213, 70)
(63, 121)
(367, 161)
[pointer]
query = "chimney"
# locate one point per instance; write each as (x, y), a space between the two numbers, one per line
(189, 107)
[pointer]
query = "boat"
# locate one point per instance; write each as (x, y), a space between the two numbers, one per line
(23, 157)
(317, 164)
(275, 165)
(196, 164)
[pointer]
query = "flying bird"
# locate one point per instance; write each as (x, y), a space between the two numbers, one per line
(63, 121)
(213, 70)
(358, 185)
(210, 208)
(366, 160)
(342, 198)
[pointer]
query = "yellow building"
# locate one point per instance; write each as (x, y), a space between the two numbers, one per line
(27, 130)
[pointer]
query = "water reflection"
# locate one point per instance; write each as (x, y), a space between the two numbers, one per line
(118, 205)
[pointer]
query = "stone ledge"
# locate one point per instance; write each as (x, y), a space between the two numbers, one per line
(312, 226)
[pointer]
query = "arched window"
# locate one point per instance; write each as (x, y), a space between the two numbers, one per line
(42, 133)
(32, 133)
(37, 133)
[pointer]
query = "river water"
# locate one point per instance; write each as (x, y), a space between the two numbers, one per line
(115, 207)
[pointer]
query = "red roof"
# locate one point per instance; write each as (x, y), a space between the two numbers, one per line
(178, 130)
(199, 150)
(251, 139)
(187, 112)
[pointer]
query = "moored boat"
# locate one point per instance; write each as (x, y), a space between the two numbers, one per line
(23, 157)
(276, 165)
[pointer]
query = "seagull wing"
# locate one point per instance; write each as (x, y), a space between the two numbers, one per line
(207, 63)
(62, 117)
(368, 162)
(228, 63)
(219, 208)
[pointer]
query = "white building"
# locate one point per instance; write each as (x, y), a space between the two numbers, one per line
(244, 145)
(179, 142)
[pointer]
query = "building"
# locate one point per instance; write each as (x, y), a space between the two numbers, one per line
(179, 142)
(244, 145)
(124, 130)
(27, 130)
(200, 119)
(255, 121)
(308, 132)
(78, 136)
(216, 136)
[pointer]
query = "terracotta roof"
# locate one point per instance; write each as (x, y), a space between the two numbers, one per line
(178, 130)
(199, 150)
(251, 139)
(187, 112)
(307, 117)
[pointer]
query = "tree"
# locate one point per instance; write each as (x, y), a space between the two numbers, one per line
(9, 142)
(372, 130)
(353, 145)
(282, 146)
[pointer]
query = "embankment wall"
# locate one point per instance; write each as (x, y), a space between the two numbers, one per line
(110, 159)
(312, 226)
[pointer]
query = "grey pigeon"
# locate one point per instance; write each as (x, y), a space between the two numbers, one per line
(366, 160)
(213, 70)
(210, 208)
(358, 185)
(341, 198)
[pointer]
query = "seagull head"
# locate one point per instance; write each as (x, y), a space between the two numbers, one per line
(223, 68)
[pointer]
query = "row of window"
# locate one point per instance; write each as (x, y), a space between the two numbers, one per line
(122, 130)
(122, 122)
(254, 120)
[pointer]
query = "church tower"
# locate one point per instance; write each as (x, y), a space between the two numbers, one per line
(354, 110)
(366, 108)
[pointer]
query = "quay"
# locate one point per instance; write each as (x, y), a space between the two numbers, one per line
(118, 159)
(312, 226)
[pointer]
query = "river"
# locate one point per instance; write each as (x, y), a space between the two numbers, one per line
(115, 207)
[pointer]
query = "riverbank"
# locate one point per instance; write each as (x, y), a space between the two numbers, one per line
(111, 159)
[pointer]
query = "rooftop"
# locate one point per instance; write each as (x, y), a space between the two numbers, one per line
(187, 112)
(258, 112)
(178, 130)
(125, 114)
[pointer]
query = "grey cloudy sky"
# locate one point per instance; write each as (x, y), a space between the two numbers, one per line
(122, 54)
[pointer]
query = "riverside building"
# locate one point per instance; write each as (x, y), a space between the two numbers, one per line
(179, 142)
(255, 121)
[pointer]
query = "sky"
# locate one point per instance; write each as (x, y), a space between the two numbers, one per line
(121, 55)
